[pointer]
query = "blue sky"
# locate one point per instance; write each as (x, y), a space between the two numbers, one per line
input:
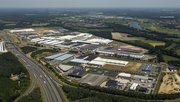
(90, 3)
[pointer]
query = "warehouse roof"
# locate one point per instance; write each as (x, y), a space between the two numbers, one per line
(22, 30)
(78, 72)
(80, 61)
(55, 56)
(134, 86)
(64, 57)
(65, 67)
(97, 63)
(124, 75)
(111, 61)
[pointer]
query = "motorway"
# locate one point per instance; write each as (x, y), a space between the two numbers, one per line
(49, 88)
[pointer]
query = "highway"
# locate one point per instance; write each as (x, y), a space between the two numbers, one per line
(51, 92)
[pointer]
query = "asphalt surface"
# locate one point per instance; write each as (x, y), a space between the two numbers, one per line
(48, 86)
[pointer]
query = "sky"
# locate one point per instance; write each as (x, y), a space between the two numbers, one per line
(90, 3)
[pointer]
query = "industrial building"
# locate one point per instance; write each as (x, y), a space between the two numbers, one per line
(61, 57)
(113, 84)
(121, 52)
(81, 61)
(101, 41)
(147, 68)
(102, 61)
(77, 72)
(88, 47)
(2, 47)
(134, 86)
(94, 79)
(22, 30)
(124, 75)
(64, 68)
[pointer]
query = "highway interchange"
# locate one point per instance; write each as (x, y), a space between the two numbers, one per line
(48, 85)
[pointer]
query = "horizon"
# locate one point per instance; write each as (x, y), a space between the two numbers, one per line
(90, 4)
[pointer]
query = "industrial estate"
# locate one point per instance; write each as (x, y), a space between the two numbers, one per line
(67, 64)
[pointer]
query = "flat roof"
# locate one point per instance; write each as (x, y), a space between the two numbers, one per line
(124, 75)
(109, 61)
(64, 57)
(97, 63)
(79, 61)
(94, 79)
(55, 56)
(134, 86)
(147, 67)
(22, 30)
(77, 72)
(65, 67)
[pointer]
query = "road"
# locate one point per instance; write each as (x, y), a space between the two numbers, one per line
(49, 89)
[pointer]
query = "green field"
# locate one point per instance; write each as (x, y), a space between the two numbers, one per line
(39, 24)
(151, 42)
(169, 58)
(160, 29)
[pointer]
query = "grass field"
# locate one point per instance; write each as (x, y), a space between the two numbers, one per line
(123, 36)
(160, 29)
(39, 24)
(169, 58)
(151, 42)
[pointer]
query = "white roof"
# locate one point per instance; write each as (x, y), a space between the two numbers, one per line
(22, 30)
(97, 63)
(80, 61)
(134, 86)
(49, 38)
(67, 37)
(124, 75)
(53, 41)
(102, 41)
(65, 67)
(111, 61)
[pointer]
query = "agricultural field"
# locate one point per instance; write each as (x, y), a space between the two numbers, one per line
(151, 42)
(170, 84)
(160, 28)
(117, 35)
(124, 37)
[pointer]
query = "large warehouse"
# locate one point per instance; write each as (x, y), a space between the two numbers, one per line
(60, 57)
(22, 30)
(102, 61)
